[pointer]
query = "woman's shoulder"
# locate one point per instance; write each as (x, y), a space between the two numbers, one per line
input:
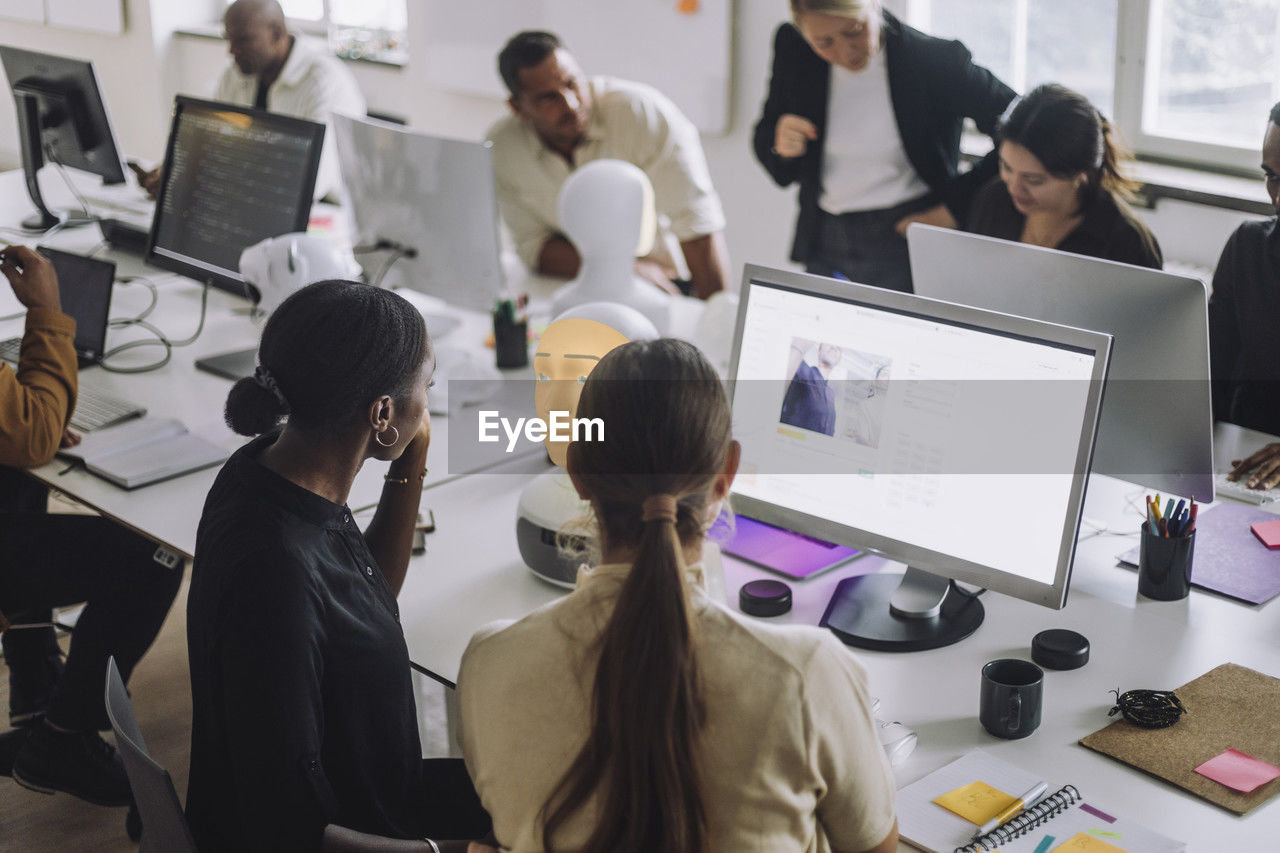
(774, 651)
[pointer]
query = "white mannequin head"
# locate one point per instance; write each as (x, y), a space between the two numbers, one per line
(607, 209)
(278, 266)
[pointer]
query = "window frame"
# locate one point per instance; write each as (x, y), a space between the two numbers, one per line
(321, 26)
(1137, 67)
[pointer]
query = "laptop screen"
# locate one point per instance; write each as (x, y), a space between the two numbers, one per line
(84, 285)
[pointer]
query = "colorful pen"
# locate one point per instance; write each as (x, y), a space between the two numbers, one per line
(1026, 800)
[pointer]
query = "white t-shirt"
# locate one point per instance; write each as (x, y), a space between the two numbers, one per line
(629, 121)
(789, 755)
(313, 84)
(864, 166)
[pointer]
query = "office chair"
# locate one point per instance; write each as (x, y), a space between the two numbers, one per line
(164, 826)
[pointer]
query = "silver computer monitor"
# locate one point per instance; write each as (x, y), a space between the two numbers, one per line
(953, 439)
(1157, 424)
(424, 211)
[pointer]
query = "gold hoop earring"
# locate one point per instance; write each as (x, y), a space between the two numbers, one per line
(377, 436)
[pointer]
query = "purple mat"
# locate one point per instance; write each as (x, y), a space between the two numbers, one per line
(783, 551)
(1228, 558)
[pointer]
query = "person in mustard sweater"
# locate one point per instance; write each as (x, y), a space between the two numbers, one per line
(49, 561)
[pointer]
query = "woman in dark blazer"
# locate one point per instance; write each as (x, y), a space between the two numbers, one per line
(828, 124)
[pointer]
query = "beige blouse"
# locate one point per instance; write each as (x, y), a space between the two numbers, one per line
(791, 760)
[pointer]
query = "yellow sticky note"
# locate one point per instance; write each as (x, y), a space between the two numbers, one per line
(976, 802)
(1084, 843)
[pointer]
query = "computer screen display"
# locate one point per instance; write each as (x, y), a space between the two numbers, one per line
(84, 287)
(233, 177)
(953, 439)
(430, 197)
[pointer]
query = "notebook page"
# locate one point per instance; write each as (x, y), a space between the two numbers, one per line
(927, 825)
(1090, 819)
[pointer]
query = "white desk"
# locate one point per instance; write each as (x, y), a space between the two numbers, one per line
(472, 574)
(169, 512)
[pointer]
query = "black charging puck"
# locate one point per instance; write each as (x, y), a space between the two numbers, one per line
(764, 598)
(1059, 648)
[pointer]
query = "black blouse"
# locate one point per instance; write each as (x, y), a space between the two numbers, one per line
(1109, 229)
(302, 703)
(1244, 313)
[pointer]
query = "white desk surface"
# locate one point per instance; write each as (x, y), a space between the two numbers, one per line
(169, 512)
(472, 574)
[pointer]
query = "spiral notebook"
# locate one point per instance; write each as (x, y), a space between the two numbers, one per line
(1064, 820)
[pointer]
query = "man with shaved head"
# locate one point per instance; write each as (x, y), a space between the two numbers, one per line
(275, 70)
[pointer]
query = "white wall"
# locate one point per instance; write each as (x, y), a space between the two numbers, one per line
(145, 67)
(132, 68)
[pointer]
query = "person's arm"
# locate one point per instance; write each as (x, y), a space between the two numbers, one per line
(784, 170)
(390, 533)
(1224, 331)
(331, 89)
(857, 809)
(971, 91)
(557, 256)
(36, 402)
(270, 660)
(708, 260)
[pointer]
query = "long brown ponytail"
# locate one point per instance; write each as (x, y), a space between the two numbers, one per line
(666, 438)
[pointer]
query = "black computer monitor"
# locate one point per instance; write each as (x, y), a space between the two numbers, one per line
(62, 119)
(953, 439)
(233, 176)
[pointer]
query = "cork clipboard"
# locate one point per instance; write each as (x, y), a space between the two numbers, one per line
(1229, 707)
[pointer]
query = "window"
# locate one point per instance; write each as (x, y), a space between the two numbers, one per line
(356, 28)
(1185, 80)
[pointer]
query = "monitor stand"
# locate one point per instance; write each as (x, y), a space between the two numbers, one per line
(901, 613)
(28, 109)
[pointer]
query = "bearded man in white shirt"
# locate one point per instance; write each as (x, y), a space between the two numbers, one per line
(283, 73)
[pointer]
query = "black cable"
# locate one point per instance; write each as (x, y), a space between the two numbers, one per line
(955, 587)
(1148, 709)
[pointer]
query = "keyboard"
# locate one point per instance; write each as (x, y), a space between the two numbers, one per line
(95, 410)
(128, 200)
(1224, 488)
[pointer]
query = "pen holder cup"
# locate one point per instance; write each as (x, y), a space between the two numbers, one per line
(510, 341)
(1164, 565)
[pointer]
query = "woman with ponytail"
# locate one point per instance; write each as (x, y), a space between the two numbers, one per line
(1062, 183)
(303, 711)
(636, 714)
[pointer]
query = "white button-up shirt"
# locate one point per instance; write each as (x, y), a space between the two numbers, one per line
(314, 84)
(628, 121)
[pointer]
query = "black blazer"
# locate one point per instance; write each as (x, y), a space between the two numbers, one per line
(933, 84)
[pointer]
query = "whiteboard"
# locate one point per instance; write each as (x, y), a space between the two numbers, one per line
(686, 56)
(23, 10)
(103, 16)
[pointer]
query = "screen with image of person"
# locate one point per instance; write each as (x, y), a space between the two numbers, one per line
(836, 391)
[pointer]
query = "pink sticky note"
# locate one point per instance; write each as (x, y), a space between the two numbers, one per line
(1238, 771)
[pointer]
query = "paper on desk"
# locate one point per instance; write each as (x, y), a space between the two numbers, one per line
(1082, 842)
(976, 802)
(1238, 771)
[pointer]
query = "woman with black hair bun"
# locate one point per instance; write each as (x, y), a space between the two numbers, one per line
(303, 710)
(1062, 183)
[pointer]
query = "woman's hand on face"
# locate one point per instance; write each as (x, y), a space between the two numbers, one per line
(792, 136)
(939, 216)
(422, 438)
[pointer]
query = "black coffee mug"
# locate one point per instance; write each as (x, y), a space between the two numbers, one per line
(1012, 693)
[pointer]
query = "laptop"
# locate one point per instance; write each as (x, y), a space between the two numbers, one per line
(84, 284)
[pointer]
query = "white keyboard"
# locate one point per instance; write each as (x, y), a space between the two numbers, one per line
(129, 200)
(1224, 488)
(95, 410)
